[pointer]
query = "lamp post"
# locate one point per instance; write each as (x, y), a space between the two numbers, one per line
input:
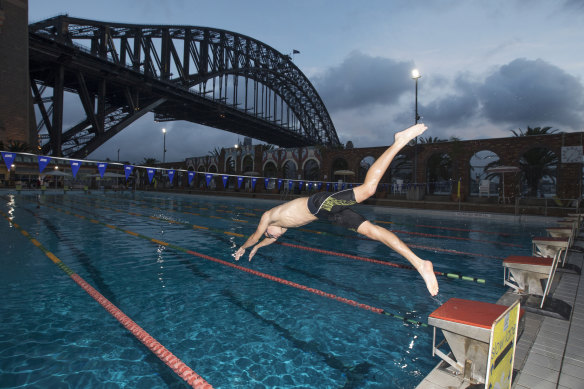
(164, 145)
(416, 75)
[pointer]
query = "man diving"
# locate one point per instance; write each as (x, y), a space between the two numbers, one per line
(335, 208)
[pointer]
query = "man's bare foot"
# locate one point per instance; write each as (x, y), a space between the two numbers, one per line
(403, 137)
(427, 273)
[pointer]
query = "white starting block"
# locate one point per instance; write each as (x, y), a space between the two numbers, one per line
(560, 232)
(570, 222)
(525, 274)
(533, 277)
(481, 336)
(548, 247)
(579, 217)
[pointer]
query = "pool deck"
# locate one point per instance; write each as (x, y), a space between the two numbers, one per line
(550, 351)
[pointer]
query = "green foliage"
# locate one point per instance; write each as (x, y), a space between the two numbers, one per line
(216, 152)
(534, 131)
(18, 146)
(149, 161)
(429, 139)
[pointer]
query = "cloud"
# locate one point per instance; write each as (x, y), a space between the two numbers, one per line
(362, 81)
(532, 92)
(456, 107)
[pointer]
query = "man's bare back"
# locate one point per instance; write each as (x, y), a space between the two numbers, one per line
(291, 214)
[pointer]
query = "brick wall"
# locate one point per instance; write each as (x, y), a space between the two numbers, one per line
(14, 73)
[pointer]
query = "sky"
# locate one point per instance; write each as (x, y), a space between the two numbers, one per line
(488, 67)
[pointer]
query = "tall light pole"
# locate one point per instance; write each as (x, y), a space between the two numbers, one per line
(416, 75)
(164, 145)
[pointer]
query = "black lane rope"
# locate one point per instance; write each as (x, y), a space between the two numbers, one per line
(313, 249)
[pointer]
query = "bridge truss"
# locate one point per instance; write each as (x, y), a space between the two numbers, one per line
(208, 76)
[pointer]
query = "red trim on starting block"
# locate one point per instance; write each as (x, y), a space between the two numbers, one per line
(472, 313)
(527, 260)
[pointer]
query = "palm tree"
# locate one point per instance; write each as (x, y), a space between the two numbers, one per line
(18, 146)
(429, 139)
(536, 163)
(216, 152)
(149, 161)
(534, 131)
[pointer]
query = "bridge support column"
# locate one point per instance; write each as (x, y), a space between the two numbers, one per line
(15, 95)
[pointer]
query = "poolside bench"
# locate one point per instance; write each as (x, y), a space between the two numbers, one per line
(468, 327)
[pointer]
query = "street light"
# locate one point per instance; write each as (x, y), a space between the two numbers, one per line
(416, 75)
(164, 145)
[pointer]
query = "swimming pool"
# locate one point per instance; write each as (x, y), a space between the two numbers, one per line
(148, 253)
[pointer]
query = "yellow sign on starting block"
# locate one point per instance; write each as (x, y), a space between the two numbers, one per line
(502, 349)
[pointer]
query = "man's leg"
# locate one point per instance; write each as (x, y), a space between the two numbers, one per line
(377, 170)
(388, 238)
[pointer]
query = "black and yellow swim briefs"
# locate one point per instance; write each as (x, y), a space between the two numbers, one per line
(335, 208)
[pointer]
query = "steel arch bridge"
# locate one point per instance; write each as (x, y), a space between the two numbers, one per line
(203, 75)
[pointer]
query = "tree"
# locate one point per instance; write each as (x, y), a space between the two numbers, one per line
(149, 161)
(216, 152)
(534, 131)
(538, 162)
(18, 146)
(429, 139)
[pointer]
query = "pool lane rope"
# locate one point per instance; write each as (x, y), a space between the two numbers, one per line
(371, 260)
(178, 366)
(385, 263)
(251, 271)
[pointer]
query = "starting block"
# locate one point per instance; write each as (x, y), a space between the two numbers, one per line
(469, 327)
(548, 246)
(528, 272)
(560, 232)
(528, 275)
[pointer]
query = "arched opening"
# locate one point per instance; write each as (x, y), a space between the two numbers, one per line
(481, 182)
(247, 164)
(401, 170)
(230, 165)
(311, 170)
(364, 166)
(270, 169)
(289, 170)
(339, 164)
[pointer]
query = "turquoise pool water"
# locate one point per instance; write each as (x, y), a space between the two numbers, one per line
(235, 329)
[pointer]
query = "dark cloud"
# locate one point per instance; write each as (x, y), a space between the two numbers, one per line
(523, 92)
(362, 80)
(453, 108)
(532, 92)
(574, 5)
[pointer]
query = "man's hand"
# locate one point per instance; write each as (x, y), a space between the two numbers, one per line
(253, 251)
(239, 253)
